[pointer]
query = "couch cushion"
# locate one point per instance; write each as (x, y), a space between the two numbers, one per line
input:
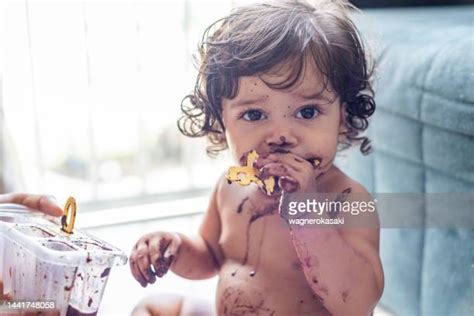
(423, 136)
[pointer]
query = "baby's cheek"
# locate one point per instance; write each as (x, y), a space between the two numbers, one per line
(326, 151)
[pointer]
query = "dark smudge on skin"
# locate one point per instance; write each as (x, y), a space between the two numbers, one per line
(163, 264)
(341, 197)
(324, 289)
(234, 302)
(344, 295)
(307, 257)
(268, 210)
(296, 266)
(254, 215)
(241, 205)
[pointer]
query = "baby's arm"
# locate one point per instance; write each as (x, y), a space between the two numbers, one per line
(199, 257)
(191, 258)
(342, 266)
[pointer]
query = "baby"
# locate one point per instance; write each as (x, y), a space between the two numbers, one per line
(290, 81)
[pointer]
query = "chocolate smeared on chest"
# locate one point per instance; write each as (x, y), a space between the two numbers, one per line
(241, 205)
(255, 214)
(235, 302)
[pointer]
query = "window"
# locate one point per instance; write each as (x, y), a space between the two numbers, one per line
(91, 95)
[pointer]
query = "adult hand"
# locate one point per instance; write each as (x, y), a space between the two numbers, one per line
(41, 203)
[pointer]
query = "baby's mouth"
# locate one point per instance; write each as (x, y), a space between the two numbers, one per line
(279, 151)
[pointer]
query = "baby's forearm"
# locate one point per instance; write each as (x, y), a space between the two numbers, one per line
(195, 260)
(341, 278)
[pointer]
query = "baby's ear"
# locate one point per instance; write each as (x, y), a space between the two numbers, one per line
(342, 119)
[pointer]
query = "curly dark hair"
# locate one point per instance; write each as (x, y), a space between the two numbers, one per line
(254, 39)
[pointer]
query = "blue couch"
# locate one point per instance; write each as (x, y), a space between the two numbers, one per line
(423, 137)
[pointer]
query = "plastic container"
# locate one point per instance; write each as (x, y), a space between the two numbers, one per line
(40, 262)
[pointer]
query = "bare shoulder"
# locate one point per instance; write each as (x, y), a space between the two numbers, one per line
(337, 181)
(225, 192)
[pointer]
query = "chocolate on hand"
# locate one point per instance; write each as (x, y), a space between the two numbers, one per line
(163, 263)
(271, 185)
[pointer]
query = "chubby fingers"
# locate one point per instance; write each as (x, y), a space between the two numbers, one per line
(163, 253)
(286, 176)
(136, 270)
(294, 172)
(140, 262)
(296, 162)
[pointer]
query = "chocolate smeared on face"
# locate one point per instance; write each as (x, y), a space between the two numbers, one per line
(315, 162)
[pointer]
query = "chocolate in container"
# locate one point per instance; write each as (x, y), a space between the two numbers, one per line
(40, 262)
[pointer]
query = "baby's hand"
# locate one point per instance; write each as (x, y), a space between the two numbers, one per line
(295, 174)
(152, 255)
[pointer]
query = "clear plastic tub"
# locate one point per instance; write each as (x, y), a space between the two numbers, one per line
(39, 262)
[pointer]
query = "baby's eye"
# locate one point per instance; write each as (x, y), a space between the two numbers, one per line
(308, 112)
(253, 115)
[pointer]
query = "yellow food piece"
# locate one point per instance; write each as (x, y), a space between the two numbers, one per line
(247, 174)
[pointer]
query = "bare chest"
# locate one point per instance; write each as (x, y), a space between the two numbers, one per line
(252, 232)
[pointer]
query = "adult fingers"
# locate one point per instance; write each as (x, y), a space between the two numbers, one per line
(41, 203)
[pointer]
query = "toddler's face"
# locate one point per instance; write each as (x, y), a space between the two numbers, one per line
(301, 120)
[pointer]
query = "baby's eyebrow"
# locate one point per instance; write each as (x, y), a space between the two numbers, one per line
(314, 96)
(244, 102)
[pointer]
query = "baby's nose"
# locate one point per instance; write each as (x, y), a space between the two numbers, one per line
(281, 136)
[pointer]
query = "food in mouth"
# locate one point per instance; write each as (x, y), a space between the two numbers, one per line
(247, 174)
